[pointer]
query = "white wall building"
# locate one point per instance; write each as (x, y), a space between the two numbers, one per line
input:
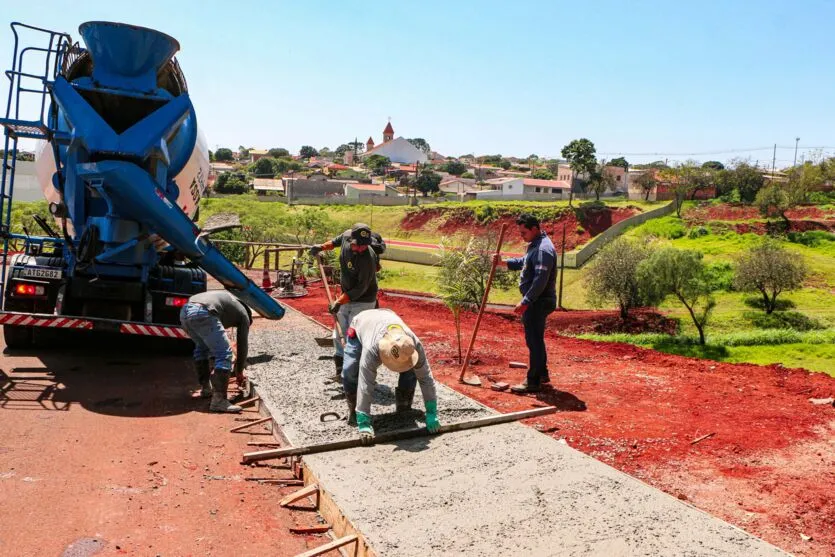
(397, 150)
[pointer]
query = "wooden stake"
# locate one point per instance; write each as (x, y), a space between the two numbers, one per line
(335, 544)
(249, 401)
(256, 422)
(517, 365)
(466, 363)
(702, 438)
(300, 494)
(321, 529)
(264, 444)
(390, 436)
(280, 482)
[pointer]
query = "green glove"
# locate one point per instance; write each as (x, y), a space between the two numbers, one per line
(365, 428)
(432, 423)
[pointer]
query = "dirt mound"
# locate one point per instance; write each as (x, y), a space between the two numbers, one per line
(606, 322)
(579, 229)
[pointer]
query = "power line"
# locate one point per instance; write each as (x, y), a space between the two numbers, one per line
(719, 152)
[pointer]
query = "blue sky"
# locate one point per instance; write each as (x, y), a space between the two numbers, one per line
(495, 77)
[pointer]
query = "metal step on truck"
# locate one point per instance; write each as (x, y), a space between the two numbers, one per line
(122, 164)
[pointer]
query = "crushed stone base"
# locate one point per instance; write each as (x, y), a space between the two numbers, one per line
(500, 490)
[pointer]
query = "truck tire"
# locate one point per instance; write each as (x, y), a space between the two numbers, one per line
(17, 337)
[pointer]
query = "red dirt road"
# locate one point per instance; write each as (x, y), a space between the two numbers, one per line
(108, 453)
(769, 466)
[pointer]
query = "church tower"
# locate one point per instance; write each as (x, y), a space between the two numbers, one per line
(369, 144)
(388, 133)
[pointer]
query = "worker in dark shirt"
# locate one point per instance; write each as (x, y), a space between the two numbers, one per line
(358, 266)
(205, 318)
(537, 285)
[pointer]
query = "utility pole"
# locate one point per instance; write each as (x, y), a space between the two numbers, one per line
(796, 141)
(773, 163)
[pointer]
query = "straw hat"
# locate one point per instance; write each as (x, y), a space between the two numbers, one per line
(397, 350)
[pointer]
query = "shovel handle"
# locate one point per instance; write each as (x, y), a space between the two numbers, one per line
(483, 303)
(339, 334)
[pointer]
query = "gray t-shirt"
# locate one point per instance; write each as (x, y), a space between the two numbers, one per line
(232, 313)
(370, 326)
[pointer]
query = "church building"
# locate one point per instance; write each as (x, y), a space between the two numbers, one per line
(397, 150)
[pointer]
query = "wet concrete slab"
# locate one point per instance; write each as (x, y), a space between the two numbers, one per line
(501, 490)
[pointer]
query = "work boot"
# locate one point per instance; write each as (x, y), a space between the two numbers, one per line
(545, 378)
(203, 377)
(337, 364)
(403, 399)
(220, 383)
(524, 388)
(352, 408)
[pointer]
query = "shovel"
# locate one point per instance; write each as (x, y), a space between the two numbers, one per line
(473, 379)
(340, 336)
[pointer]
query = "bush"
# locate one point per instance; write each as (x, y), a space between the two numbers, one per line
(769, 269)
(231, 183)
(664, 227)
(812, 238)
(698, 232)
(720, 275)
(613, 276)
(542, 174)
(783, 320)
(468, 175)
(821, 197)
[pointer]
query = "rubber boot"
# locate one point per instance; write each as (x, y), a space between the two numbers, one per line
(204, 373)
(403, 399)
(352, 408)
(220, 383)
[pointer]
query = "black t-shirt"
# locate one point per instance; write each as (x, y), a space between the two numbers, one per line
(358, 271)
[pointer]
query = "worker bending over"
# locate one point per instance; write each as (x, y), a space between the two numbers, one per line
(537, 284)
(358, 266)
(379, 336)
(205, 318)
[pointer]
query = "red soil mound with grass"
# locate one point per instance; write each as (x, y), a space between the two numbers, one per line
(767, 465)
(462, 222)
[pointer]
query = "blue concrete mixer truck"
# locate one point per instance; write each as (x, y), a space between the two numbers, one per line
(123, 166)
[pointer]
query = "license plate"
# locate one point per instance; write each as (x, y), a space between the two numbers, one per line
(52, 274)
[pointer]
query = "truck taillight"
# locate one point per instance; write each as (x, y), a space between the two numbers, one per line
(176, 301)
(24, 289)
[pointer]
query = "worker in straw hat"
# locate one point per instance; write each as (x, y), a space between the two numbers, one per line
(379, 336)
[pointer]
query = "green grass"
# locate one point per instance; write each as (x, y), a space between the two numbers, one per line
(814, 350)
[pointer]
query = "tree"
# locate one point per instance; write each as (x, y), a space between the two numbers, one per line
(647, 182)
(308, 225)
(287, 165)
(342, 149)
(356, 146)
(428, 182)
(613, 277)
(231, 183)
(581, 156)
(211, 156)
(243, 152)
(542, 174)
(742, 177)
(462, 275)
(619, 161)
(683, 275)
(714, 165)
(307, 152)
(599, 180)
(325, 152)
(223, 154)
(505, 164)
(377, 164)
(701, 179)
(421, 144)
(769, 269)
(263, 167)
(682, 178)
(772, 201)
(278, 153)
(455, 168)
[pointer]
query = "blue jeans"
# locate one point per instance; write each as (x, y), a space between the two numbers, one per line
(344, 316)
(534, 321)
(208, 335)
(351, 371)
